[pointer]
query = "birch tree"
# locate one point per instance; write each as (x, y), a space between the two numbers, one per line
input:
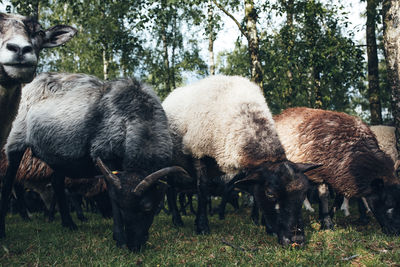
(391, 38)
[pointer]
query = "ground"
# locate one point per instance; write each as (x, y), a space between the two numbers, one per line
(233, 241)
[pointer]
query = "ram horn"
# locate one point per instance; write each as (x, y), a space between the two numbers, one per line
(155, 176)
(110, 177)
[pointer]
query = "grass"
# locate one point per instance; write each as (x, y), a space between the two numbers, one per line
(38, 243)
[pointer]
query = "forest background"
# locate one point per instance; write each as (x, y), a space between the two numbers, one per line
(301, 52)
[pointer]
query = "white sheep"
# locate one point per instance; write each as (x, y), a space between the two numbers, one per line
(224, 121)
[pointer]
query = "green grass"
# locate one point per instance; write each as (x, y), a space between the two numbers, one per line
(38, 243)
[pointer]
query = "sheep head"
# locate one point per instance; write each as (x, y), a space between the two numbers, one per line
(280, 189)
(137, 199)
(384, 202)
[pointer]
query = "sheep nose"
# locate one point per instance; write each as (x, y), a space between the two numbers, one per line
(19, 50)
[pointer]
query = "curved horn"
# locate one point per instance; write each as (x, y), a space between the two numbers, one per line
(112, 178)
(155, 176)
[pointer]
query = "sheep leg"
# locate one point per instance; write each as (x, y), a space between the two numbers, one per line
(202, 189)
(190, 203)
(307, 205)
(234, 200)
(171, 198)
(52, 209)
(225, 197)
(75, 201)
(345, 206)
(323, 194)
(362, 209)
(14, 159)
(182, 199)
(20, 194)
(59, 190)
(209, 204)
(118, 226)
(255, 215)
(339, 201)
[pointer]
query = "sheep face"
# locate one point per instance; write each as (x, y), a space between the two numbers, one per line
(280, 190)
(21, 39)
(135, 199)
(384, 202)
(137, 211)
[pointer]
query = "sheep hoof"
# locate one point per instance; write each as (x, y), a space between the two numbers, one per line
(203, 231)
(202, 227)
(327, 224)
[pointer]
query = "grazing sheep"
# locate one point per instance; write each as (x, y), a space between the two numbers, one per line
(74, 122)
(35, 175)
(353, 163)
(21, 39)
(224, 125)
(387, 143)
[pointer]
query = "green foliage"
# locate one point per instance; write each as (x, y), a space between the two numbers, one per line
(315, 42)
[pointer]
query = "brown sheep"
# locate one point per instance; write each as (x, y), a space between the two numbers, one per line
(36, 175)
(353, 163)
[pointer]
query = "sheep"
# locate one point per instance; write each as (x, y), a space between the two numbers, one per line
(387, 143)
(353, 163)
(77, 123)
(224, 126)
(36, 175)
(21, 39)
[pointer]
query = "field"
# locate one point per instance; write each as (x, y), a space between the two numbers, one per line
(234, 241)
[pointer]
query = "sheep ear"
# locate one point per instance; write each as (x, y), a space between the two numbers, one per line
(58, 35)
(305, 167)
(253, 178)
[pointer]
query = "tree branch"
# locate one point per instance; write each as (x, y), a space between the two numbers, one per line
(232, 17)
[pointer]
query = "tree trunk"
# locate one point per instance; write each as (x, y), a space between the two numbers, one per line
(165, 47)
(373, 72)
(252, 38)
(289, 7)
(317, 86)
(211, 37)
(172, 69)
(106, 63)
(391, 39)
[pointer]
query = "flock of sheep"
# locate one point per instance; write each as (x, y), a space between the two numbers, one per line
(78, 126)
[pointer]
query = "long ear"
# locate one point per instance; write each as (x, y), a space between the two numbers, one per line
(58, 35)
(155, 176)
(305, 167)
(112, 178)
